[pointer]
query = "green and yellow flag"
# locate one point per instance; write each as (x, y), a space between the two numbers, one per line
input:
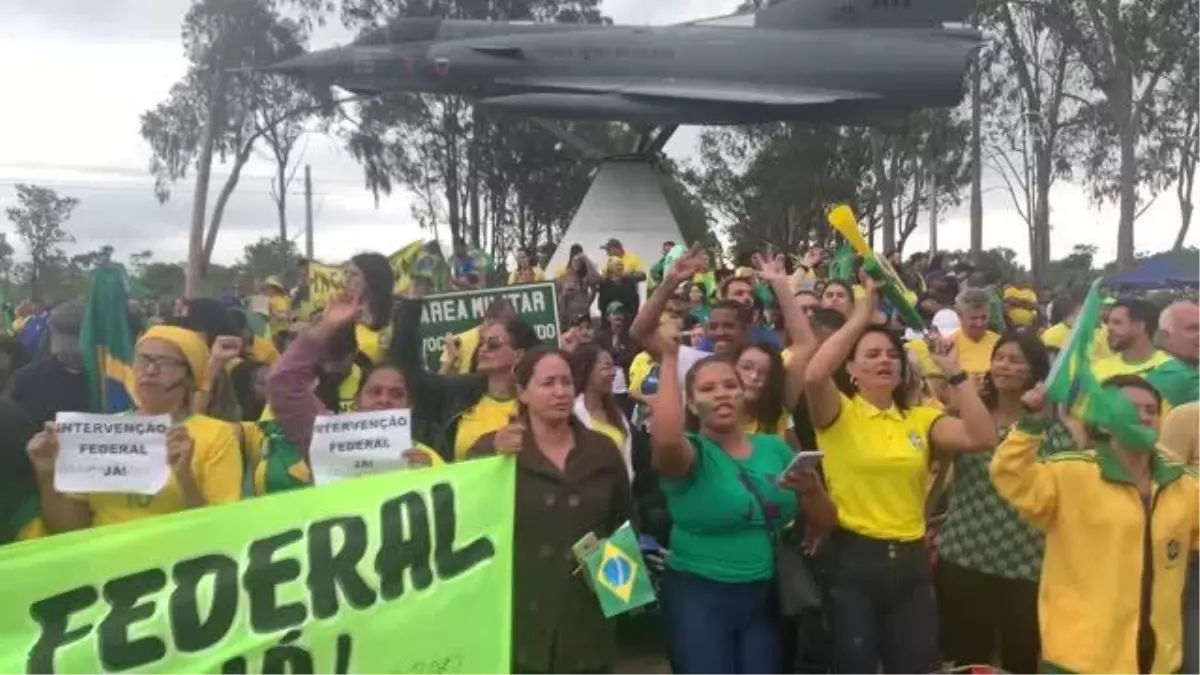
(618, 573)
(1073, 383)
(106, 342)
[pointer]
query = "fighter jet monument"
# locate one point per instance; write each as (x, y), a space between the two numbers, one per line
(834, 61)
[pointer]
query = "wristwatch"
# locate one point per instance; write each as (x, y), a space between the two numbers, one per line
(957, 379)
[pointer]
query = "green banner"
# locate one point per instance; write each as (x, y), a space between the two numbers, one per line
(448, 314)
(405, 572)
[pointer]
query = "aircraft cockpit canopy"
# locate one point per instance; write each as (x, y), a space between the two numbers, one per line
(402, 30)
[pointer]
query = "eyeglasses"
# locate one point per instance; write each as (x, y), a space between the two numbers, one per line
(146, 361)
(493, 343)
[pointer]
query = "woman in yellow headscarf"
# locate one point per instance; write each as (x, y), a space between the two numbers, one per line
(170, 366)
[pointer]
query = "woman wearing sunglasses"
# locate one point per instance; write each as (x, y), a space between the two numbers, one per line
(452, 411)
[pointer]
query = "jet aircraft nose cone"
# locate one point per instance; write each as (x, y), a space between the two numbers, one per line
(313, 63)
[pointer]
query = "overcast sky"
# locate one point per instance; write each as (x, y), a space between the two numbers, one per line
(79, 73)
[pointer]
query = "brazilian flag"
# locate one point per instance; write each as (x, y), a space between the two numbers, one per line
(106, 342)
(618, 573)
(1072, 382)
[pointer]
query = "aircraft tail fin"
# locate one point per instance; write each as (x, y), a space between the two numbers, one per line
(796, 14)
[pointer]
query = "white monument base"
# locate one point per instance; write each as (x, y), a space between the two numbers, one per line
(625, 202)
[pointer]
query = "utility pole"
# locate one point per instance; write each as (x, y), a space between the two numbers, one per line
(308, 224)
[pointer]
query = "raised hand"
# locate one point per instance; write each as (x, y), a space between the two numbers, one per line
(770, 267)
(694, 261)
(945, 355)
(341, 310)
(225, 349)
(1034, 400)
(43, 449)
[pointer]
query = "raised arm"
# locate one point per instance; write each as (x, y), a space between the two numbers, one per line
(821, 394)
(645, 325)
(796, 323)
(1020, 478)
(973, 429)
(290, 383)
(673, 453)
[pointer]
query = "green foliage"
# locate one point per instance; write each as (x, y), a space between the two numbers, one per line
(266, 257)
(161, 280)
(39, 217)
(773, 183)
(1074, 272)
(240, 107)
(1129, 50)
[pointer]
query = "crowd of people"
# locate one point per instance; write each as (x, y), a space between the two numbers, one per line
(955, 517)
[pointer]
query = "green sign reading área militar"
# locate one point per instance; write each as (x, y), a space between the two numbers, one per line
(448, 314)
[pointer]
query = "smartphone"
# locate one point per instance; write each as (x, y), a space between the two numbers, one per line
(803, 461)
(584, 547)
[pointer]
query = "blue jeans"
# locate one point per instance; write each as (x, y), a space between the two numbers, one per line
(716, 627)
(882, 606)
(1191, 618)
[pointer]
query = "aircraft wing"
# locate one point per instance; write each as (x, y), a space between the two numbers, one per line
(692, 90)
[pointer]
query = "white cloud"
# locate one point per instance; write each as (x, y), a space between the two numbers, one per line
(84, 72)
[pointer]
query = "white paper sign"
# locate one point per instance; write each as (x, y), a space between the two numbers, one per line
(112, 453)
(356, 444)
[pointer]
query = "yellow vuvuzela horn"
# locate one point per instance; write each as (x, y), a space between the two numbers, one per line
(841, 217)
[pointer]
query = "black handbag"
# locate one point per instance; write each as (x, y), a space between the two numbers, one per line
(798, 589)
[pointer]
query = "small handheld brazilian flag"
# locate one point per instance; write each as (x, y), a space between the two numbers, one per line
(618, 573)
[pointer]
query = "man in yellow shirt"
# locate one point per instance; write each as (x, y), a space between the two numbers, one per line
(973, 339)
(631, 268)
(1131, 328)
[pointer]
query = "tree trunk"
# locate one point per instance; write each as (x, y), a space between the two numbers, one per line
(453, 204)
(196, 258)
(214, 225)
(887, 190)
(1185, 181)
(1039, 253)
(1127, 137)
(34, 279)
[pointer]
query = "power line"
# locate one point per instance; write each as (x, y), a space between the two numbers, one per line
(178, 187)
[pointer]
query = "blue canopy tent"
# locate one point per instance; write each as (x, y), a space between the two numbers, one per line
(1164, 270)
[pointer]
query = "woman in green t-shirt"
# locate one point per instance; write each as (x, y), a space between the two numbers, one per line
(728, 498)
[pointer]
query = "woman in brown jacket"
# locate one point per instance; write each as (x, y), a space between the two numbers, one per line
(570, 481)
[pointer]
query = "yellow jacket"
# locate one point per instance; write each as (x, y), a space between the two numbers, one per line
(1091, 608)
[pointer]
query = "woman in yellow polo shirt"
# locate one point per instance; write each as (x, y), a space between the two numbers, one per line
(206, 467)
(877, 450)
